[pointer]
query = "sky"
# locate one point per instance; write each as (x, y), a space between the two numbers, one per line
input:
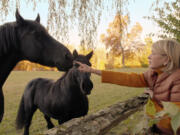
(137, 10)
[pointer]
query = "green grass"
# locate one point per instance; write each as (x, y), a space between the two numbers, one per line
(102, 95)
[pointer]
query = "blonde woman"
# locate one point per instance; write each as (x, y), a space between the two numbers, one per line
(162, 78)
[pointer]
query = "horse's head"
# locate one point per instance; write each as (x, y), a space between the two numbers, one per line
(82, 78)
(37, 45)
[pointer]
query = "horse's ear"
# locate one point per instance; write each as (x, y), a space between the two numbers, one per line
(75, 53)
(89, 55)
(19, 19)
(38, 18)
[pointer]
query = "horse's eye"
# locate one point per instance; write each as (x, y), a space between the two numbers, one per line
(33, 32)
(37, 34)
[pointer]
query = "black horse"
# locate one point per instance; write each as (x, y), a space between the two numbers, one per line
(62, 100)
(29, 40)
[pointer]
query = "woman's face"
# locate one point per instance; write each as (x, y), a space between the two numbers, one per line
(157, 60)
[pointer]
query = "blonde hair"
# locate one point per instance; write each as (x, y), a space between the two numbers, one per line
(171, 49)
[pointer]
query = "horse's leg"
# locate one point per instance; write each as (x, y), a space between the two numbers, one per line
(49, 123)
(29, 115)
(1, 104)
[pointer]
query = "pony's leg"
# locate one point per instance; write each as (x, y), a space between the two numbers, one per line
(64, 118)
(61, 121)
(49, 123)
(29, 115)
(1, 104)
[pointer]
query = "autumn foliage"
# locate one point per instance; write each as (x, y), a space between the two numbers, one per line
(29, 66)
(123, 46)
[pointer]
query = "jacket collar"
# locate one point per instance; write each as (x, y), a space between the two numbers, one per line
(163, 75)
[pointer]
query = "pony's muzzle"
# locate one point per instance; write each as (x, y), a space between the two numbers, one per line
(87, 87)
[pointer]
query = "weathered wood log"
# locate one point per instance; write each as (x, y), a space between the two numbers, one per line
(102, 121)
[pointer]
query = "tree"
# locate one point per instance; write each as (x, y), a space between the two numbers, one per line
(168, 18)
(82, 16)
(119, 41)
(145, 52)
(114, 35)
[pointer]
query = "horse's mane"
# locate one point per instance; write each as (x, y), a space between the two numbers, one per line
(8, 38)
(64, 75)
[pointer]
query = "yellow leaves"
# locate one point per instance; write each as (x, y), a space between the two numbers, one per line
(102, 37)
(119, 22)
(99, 58)
(101, 64)
(117, 26)
(171, 110)
(118, 40)
(150, 108)
(148, 41)
(29, 66)
(136, 29)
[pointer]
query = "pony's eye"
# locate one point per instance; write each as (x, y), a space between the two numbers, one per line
(76, 65)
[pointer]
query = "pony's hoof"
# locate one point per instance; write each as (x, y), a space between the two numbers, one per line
(50, 126)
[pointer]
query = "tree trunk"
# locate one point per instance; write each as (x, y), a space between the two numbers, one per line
(110, 61)
(123, 57)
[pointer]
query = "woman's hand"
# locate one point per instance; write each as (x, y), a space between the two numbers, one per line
(150, 92)
(86, 68)
(83, 67)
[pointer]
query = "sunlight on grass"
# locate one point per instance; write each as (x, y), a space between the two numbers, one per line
(102, 96)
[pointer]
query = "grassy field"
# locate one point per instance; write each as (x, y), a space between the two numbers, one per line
(102, 95)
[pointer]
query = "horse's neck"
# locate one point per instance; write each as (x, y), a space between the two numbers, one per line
(70, 79)
(8, 62)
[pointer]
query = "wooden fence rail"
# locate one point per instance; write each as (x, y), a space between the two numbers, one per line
(102, 121)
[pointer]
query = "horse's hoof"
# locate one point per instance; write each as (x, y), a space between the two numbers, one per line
(1, 117)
